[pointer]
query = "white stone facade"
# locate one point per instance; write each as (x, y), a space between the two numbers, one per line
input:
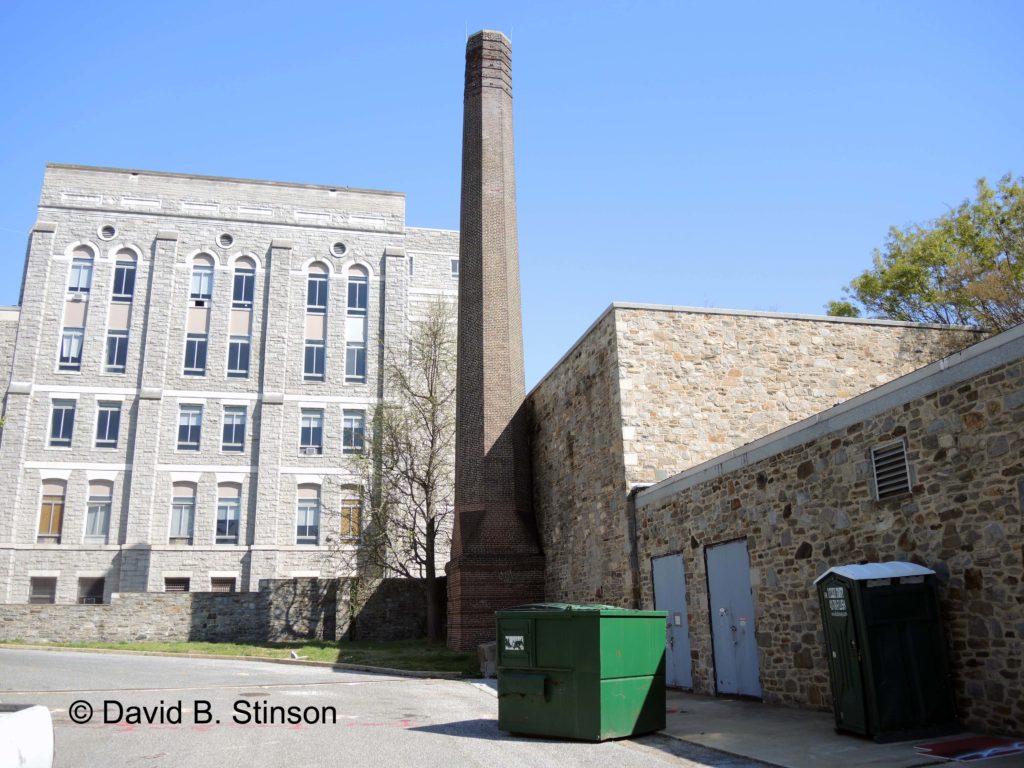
(195, 245)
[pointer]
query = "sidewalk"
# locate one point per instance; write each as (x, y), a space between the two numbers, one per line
(792, 738)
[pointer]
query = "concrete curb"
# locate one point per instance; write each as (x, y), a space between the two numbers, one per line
(422, 674)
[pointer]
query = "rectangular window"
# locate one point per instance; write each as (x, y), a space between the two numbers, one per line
(176, 585)
(108, 425)
(183, 512)
(352, 432)
(202, 282)
(234, 428)
(117, 352)
(71, 340)
(357, 294)
(90, 590)
(195, 354)
(80, 279)
(307, 530)
(124, 281)
(316, 294)
(222, 584)
(42, 589)
(244, 288)
(62, 423)
(238, 357)
(311, 432)
(412, 263)
(314, 364)
(351, 517)
(51, 519)
(228, 513)
(97, 520)
(190, 427)
(455, 267)
(355, 361)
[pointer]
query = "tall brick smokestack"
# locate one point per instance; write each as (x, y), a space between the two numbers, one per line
(496, 560)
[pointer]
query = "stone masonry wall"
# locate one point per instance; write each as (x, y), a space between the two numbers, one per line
(579, 484)
(282, 610)
(649, 391)
(812, 506)
(697, 383)
(8, 334)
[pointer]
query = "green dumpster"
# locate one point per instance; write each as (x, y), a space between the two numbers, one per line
(886, 651)
(590, 672)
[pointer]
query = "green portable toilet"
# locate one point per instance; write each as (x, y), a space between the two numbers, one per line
(591, 672)
(886, 651)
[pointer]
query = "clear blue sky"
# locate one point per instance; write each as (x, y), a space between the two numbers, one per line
(744, 155)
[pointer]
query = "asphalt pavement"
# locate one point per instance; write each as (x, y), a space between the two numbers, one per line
(159, 711)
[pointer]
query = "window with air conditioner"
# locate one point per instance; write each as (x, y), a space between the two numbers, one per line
(311, 432)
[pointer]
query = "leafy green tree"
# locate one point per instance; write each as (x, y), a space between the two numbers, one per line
(965, 267)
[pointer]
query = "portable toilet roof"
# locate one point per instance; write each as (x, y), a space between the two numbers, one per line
(868, 571)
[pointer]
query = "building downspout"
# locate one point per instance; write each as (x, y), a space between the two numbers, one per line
(634, 554)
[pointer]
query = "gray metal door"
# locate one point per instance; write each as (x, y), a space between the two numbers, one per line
(732, 619)
(670, 595)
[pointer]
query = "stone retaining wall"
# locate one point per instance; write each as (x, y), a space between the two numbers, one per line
(282, 610)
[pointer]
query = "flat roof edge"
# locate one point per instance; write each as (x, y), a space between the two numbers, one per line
(788, 316)
(949, 371)
(228, 179)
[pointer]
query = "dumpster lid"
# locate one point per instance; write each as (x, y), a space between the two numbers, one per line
(865, 571)
(605, 610)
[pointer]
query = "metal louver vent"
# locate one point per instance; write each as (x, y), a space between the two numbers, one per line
(107, 232)
(225, 240)
(892, 476)
(339, 248)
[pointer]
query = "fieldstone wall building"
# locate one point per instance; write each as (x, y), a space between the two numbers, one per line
(649, 391)
(194, 364)
(928, 468)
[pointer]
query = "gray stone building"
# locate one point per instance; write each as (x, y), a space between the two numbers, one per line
(189, 375)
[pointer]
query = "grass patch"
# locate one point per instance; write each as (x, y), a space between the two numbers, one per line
(419, 655)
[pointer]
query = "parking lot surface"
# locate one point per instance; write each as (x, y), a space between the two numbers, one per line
(159, 711)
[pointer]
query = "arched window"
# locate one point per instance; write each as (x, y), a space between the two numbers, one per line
(316, 288)
(245, 283)
(80, 276)
(183, 512)
(202, 278)
(97, 516)
(124, 275)
(358, 291)
(307, 524)
(51, 512)
(229, 512)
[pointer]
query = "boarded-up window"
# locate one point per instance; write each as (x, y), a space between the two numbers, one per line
(42, 589)
(51, 512)
(351, 514)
